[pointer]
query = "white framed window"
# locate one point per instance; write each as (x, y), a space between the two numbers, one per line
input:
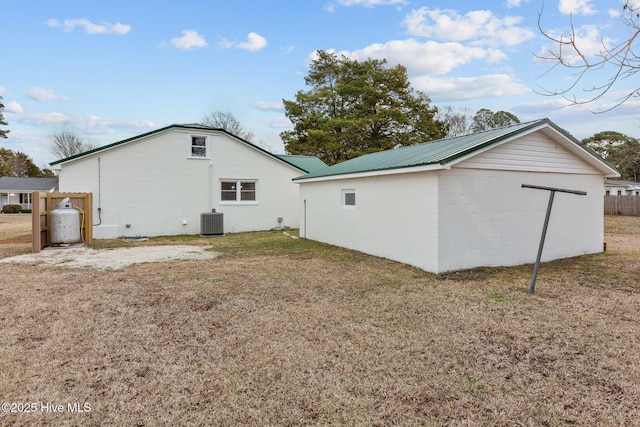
(349, 198)
(199, 149)
(25, 198)
(239, 191)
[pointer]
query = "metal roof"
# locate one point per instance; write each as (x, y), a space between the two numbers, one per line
(11, 183)
(439, 152)
(290, 160)
(306, 163)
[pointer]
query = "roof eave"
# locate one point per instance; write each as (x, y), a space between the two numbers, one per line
(380, 172)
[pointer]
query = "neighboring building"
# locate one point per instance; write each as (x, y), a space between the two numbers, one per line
(160, 183)
(18, 191)
(459, 203)
(615, 187)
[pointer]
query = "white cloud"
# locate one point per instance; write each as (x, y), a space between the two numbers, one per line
(576, 7)
(330, 7)
(42, 94)
(423, 58)
(277, 123)
(467, 88)
(3, 90)
(89, 27)
(513, 3)
(189, 40)
(268, 106)
(13, 107)
(480, 27)
(83, 124)
(254, 43)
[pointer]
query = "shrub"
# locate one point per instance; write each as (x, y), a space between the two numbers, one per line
(25, 211)
(11, 209)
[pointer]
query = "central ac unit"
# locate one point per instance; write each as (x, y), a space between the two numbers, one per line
(211, 223)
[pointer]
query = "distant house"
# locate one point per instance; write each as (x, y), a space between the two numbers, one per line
(160, 182)
(615, 187)
(18, 191)
(459, 203)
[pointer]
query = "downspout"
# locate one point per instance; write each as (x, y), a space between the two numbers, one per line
(99, 195)
(210, 186)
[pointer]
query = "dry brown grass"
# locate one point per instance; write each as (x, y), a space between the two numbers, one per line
(15, 234)
(287, 332)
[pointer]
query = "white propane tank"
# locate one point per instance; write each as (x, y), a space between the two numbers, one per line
(65, 223)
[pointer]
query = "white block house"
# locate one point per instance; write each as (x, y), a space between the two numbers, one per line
(18, 190)
(459, 203)
(160, 183)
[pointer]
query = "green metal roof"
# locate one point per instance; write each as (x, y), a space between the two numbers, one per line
(438, 152)
(303, 163)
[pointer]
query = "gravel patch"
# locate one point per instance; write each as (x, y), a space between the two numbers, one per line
(112, 259)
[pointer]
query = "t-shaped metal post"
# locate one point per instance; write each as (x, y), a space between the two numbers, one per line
(552, 193)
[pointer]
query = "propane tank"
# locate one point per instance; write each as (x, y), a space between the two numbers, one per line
(65, 223)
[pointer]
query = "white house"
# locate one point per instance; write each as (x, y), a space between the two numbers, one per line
(459, 203)
(18, 190)
(160, 183)
(615, 187)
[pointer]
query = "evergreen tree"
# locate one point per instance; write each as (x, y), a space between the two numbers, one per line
(354, 108)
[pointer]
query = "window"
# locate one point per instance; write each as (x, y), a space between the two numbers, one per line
(25, 198)
(619, 192)
(198, 146)
(348, 198)
(608, 193)
(238, 191)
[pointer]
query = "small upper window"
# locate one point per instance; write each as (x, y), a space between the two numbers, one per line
(198, 146)
(348, 198)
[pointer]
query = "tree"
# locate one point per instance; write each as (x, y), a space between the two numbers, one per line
(227, 121)
(458, 123)
(67, 144)
(618, 60)
(19, 165)
(619, 149)
(607, 144)
(3, 133)
(486, 119)
(355, 108)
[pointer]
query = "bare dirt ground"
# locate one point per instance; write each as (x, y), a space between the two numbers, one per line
(278, 331)
(112, 259)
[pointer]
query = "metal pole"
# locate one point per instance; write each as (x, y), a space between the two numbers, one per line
(553, 190)
(532, 286)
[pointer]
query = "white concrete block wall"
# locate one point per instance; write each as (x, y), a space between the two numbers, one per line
(488, 219)
(395, 216)
(153, 185)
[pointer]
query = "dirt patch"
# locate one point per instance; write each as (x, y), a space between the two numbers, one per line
(112, 259)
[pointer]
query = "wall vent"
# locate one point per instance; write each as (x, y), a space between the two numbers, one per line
(211, 223)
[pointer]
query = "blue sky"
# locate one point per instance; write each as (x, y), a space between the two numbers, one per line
(112, 70)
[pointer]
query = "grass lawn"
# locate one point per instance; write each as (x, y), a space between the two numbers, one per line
(282, 331)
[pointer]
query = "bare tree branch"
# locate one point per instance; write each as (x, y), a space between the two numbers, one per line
(620, 59)
(67, 144)
(227, 121)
